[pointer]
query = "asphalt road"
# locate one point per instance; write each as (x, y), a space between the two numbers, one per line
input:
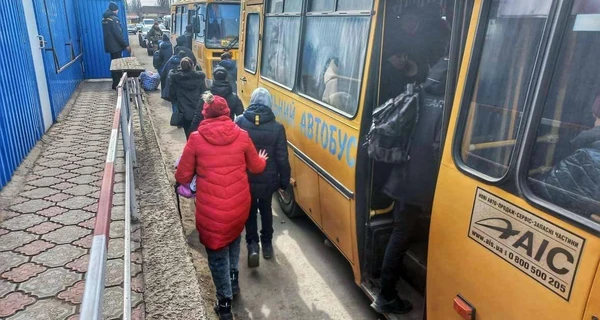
(305, 280)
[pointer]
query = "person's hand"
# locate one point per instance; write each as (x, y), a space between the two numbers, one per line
(128, 48)
(263, 154)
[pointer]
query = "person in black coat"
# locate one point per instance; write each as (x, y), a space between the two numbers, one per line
(185, 90)
(267, 134)
(221, 87)
(182, 45)
(114, 41)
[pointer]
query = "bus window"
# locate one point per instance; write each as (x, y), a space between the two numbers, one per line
(178, 21)
(184, 19)
(223, 23)
(344, 5)
(321, 5)
(495, 107)
(333, 61)
(564, 168)
(201, 13)
(251, 51)
(276, 6)
(280, 48)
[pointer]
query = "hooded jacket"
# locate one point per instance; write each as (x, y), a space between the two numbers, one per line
(183, 46)
(266, 133)
(231, 68)
(165, 51)
(223, 89)
(114, 41)
(185, 89)
(165, 81)
(574, 183)
(219, 153)
(186, 40)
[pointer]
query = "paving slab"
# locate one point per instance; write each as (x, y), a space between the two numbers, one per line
(46, 230)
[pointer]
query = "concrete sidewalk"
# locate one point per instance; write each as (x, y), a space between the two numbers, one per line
(48, 218)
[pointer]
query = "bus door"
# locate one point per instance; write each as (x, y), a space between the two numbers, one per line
(248, 71)
(200, 34)
(516, 215)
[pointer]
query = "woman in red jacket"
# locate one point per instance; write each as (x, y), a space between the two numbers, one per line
(219, 153)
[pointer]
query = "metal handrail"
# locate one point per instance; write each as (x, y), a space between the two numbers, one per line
(93, 296)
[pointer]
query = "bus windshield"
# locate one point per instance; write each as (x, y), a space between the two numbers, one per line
(222, 24)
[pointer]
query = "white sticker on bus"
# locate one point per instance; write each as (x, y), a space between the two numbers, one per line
(544, 251)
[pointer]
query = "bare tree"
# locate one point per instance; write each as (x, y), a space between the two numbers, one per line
(135, 6)
(164, 3)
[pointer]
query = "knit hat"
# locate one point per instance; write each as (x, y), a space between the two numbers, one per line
(188, 28)
(596, 107)
(225, 56)
(220, 73)
(113, 6)
(214, 106)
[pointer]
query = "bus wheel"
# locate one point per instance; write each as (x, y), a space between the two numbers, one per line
(288, 203)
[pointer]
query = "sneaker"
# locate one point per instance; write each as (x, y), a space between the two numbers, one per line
(223, 309)
(253, 255)
(235, 286)
(396, 306)
(267, 249)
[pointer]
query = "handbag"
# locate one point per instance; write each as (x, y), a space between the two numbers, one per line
(177, 119)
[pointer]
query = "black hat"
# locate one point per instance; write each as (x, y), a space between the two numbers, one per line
(188, 28)
(220, 73)
(113, 6)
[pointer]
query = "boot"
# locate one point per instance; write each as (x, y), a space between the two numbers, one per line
(267, 248)
(253, 255)
(235, 286)
(396, 306)
(223, 309)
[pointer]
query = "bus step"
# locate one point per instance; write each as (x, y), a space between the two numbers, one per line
(415, 266)
(406, 291)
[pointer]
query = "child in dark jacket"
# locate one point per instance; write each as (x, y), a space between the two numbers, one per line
(266, 133)
(221, 88)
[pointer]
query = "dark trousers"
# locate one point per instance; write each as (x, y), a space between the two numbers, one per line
(116, 75)
(221, 263)
(266, 219)
(405, 219)
(187, 128)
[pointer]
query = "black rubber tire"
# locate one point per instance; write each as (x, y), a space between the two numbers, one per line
(142, 42)
(290, 207)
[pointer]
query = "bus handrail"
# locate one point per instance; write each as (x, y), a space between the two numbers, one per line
(93, 296)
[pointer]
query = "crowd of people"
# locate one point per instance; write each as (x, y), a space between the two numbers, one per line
(236, 158)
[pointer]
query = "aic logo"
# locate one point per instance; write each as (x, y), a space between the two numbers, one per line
(555, 257)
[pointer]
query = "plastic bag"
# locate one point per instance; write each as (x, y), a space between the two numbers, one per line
(149, 80)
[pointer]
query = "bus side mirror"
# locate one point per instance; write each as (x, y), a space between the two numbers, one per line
(196, 23)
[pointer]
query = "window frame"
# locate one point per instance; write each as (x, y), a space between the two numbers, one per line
(258, 51)
(304, 14)
(544, 82)
(200, 22)
(284, 14)
(469, 88)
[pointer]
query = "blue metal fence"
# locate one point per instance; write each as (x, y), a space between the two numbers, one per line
(96, 61)
(20, 110)
(57, 23)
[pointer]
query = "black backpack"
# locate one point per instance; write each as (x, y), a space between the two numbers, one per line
(393, 127)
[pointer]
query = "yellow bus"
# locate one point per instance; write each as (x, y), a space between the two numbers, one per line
(513, 228)
(216, 25)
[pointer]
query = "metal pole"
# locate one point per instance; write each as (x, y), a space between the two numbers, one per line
(127, 248)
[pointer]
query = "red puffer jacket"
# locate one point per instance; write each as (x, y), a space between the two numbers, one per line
(219, 154)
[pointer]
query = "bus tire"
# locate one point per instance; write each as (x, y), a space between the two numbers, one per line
(289, 206)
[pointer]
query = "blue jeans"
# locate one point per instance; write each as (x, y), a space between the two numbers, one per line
(174, 107)
(221, 263)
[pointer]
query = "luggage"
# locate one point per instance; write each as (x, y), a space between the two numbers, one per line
(393, 127)
(157, 60)
(149, 80)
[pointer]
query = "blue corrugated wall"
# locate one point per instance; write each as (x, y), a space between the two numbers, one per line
(20, 110)
(96, 61)
(56, 21)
